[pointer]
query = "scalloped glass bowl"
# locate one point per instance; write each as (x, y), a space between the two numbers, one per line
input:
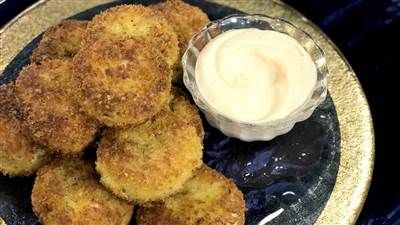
(254, 131)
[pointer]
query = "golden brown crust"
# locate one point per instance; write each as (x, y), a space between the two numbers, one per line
(153, 160)
(19, 156)
(67, 192)
(8, 102)
(121, 82)
(180, 105)
(135, 21)
(186, 21)
(60, 41)
(208, 198)
(45, 92)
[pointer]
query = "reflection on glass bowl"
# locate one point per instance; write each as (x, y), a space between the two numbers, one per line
(263, 130)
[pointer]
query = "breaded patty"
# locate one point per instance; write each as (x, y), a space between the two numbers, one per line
(153, 160)
(121, 82)
(60, 41)
(208, 198)
(133, 21)
(45, 92)
(186, 19)
(19, 156)
(181, 106)
(67, 192)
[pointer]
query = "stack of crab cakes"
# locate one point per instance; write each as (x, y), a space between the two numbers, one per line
(109, 84)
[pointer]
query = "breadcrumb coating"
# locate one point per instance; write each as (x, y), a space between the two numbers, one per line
(61, 41)
(208, 198)
(67, 192)
(180, 105)
(46, 93)
(186, 20)
(153, 160)
(19, 156)
(121, 82)
(135, 21)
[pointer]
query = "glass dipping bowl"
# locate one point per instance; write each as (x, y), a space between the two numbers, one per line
(263, 130)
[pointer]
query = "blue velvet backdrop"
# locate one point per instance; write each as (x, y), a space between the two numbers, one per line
(368, 33)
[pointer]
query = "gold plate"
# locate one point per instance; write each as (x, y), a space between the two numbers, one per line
(356, 129)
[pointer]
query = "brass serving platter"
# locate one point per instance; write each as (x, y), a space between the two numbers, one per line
(356, 128)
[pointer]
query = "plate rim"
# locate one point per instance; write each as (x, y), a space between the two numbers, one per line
(355, 121)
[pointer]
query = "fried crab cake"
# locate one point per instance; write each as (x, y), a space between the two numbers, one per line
(121, 82)
(60, 41)
(208, 198)
(185, 19)
(68, 192)
(133, 21)
(19, 156)
(153, 160)
(181, 107)
(45, 92)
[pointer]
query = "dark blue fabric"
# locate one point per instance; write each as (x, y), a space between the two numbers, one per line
(10, 8)
(368, 33)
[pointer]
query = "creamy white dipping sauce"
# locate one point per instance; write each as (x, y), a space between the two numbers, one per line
(255, 76)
